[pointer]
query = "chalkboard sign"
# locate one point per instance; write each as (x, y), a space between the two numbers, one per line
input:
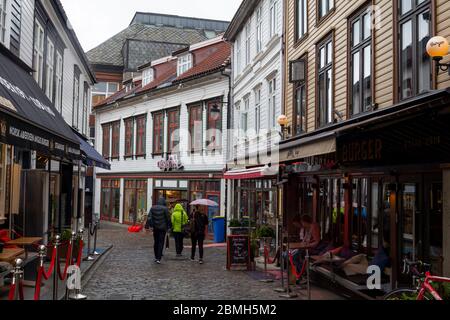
(238, 247)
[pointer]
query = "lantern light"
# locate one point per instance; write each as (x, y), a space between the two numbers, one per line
(438, 47)
(282, 120)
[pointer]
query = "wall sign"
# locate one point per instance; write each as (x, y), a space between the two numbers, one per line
(171, 164)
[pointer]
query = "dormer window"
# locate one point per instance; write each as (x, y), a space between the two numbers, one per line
(147, 76)
(184, 63)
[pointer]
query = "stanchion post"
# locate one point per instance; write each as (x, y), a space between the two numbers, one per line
(289, 294)
(281, 259)
(89, 256)
(308, 280)
(17, 276)
(42, 253)
(72, 245)
(77, 294)
(95, 239)
(55, 274)
(267, 279)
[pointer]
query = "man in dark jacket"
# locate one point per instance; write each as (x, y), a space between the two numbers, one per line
(159, 221)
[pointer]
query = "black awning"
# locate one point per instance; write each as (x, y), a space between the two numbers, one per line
(28, 118)
(90, 156)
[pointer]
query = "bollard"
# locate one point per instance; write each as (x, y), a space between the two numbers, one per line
(17, 280)
(55, 274)
(89, 256)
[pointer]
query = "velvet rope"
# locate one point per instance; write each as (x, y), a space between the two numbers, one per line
(37, 290)
(63, 276)
(47, 274)
(266, 253)
(12, 290)
(80, 253)
(294, 268)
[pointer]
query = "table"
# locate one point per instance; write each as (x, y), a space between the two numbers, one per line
(9, 254)
(23, 242)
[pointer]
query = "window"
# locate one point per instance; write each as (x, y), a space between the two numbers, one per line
(325, 85)
(158, 133)
(141, 130)
(361, 63)
(147, 76)
(173, 132)
(259, 27)
(214, 135)
(273, 18)
(301, 18)
(244, 116)
(115, 143)
(106, 150)
(76, 97)
(258, 110)
(103, 90)
(184, 63)
(300, 109)
(50, 72)
(3, 168)
(196, 128)
(110, 200)
(238, 56)
(325, 6)
(58, 81)
(129, 137)
(135, 200)
(38, 53)
(2, 21)
(415, 65)
(85, 108)
(247, 42)
(272, 103)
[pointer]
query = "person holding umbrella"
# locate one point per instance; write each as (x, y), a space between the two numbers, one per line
(199, 223)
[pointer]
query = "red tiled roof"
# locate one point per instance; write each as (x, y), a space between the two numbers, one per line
(171, 73)
(117, 96)
(215, 61)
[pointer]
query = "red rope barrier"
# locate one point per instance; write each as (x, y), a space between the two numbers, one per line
(48, 274)
(294, 268)
(37, 290)
(80, 253)
(63, 276)
(12, 291)
(266, 253)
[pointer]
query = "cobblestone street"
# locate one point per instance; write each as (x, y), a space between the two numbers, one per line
(129, 273)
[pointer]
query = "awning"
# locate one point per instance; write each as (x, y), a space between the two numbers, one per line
(28, 118)
(253, 173)
(313, 146)
(90, 156)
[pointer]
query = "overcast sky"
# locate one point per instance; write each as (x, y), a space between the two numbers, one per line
(95, 21)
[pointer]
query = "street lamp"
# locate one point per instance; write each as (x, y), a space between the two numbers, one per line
(283, 122)
(437, 48)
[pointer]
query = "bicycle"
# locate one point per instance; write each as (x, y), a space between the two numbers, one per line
(424, 280)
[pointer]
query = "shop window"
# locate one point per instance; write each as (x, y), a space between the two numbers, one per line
(361, 62)
(115, 143)
(129, 137)
(110, 200)
(173, 133)
(415, 67)
(106, 130)
(135, 200)
(332, 210)
(196, 128)
(158, 133)
(214, 128)
(141, 130)
(325, 82)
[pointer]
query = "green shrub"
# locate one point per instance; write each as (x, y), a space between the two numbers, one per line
(265, 232)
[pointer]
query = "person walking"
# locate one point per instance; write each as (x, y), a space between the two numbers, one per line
(179, 220)
(199, 223)
(159, 221)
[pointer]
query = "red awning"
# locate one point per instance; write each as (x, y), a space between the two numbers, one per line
(253, 173)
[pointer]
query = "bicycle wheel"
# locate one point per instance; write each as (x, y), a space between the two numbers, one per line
(401, 294)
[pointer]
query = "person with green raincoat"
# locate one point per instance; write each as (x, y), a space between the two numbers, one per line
(179, 220)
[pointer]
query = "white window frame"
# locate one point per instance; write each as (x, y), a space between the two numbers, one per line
(76, 101)
(238, 56)
(147, 76)
(273, 18)
(38, 52)
(184, 63)
(258, 110)
(50, 70)
(272, 89)
(58, 81)
(248, 35)
(244, 116)
(259, 28)
(302, 19)
(3, 18)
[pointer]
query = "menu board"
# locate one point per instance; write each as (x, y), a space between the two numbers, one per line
(238, 247)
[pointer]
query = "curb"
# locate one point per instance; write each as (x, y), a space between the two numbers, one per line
(88, 273)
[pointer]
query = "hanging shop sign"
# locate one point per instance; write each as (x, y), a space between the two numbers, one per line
(172, 163)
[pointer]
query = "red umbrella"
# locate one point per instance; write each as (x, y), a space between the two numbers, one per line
(204, 202)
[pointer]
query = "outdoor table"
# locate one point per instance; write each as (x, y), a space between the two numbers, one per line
(23, 242)
(9, 254)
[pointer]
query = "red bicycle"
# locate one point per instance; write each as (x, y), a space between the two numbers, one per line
(424, 283)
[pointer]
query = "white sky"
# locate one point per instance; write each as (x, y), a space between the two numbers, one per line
(95, 21)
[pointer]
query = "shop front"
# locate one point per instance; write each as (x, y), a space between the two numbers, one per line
(378, 187)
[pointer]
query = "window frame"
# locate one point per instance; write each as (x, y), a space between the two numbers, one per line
(248, 33)
(3, 19)
(173, 126)
(331, 9)
(273, 21)
(215, 125)
(184, 63)
(76, 97)
(257, 93)
(129, 137)
(147, 77)
(59, 72)
(39, 52)
(328, 67)
(303, 126)
(106, 137)
(259, 28)
(158, 130)
(399, 20)
(115, 140)
(50, 69)
(299, 36)
(272, 101)
(244, 114)
(198, 108)
(141, 136)
(360, 48)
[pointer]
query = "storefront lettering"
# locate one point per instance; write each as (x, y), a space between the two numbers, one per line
(24, 135)
(362, 150)
(172, 163)
(422, 142)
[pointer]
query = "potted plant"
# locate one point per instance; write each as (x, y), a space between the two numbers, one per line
(265, 234)
(66, 235)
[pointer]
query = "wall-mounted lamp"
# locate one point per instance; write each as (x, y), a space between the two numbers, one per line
(283, 122)
(437, 48)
